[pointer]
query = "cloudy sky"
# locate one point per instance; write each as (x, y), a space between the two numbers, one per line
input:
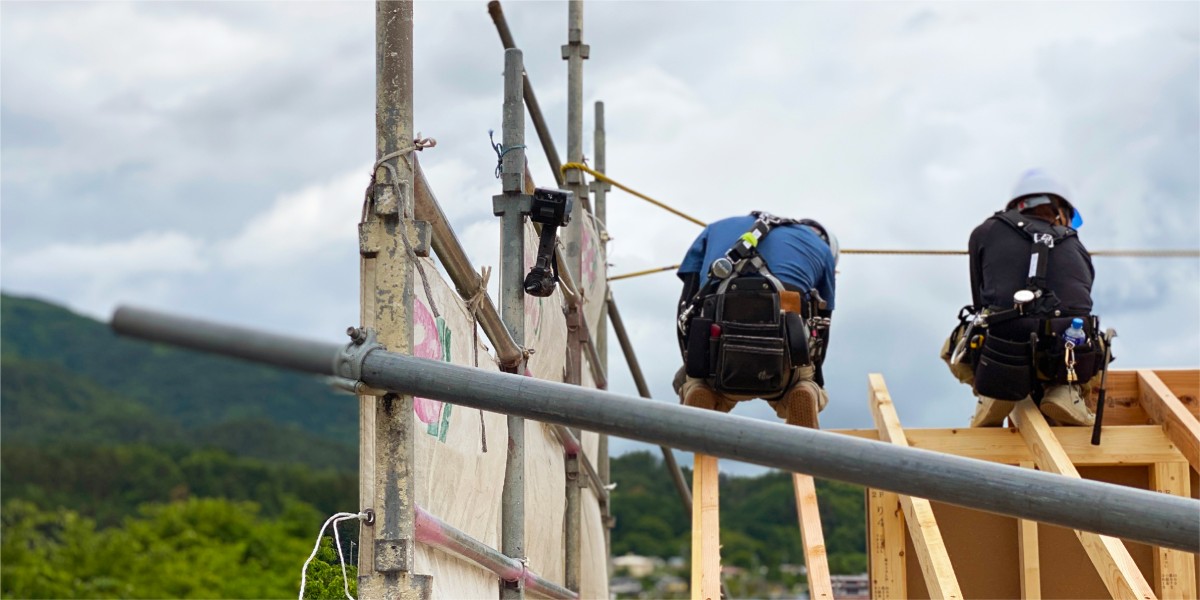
(209, 157)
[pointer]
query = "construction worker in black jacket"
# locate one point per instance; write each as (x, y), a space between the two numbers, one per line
(1031, 281)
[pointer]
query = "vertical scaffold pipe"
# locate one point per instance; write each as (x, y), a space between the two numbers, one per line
(386, 442)
(531, 103)
(512, 308)
(600, 205)
(574, 51)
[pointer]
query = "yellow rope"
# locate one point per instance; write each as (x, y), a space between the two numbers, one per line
(606, 179)
(640, 273)
(1111, 253)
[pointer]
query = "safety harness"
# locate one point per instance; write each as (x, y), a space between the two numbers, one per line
(1007, 365)
(744, 332)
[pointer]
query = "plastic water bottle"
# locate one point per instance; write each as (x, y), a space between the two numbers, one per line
(1075, 334)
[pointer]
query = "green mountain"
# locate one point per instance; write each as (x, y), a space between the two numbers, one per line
(109, 443)
(68, 377)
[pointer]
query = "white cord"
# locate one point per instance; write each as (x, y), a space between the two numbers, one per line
(337, 543)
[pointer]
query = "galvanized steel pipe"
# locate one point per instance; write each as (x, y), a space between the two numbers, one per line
(1099, 507)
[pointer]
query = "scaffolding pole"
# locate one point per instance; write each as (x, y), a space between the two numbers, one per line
(600, 204)
(531, 103)
(386, 442)
(1104, 508)
(447, 538)
(512, 206)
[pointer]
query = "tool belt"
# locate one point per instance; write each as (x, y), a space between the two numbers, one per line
(742, 341)
(1013, 355)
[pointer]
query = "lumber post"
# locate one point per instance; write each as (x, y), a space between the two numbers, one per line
(918, 513)
(885, 535)
(386, 431)
(1027, 549)
(1110, 556)
(1174, 570)
(706, 529)
(816, 560)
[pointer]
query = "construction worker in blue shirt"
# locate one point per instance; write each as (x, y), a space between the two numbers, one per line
(748, 332)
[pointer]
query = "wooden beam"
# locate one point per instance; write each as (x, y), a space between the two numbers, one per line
(918, 514)
(1181, 426)
(706, 529)
(815, 559)
(1110, 557)
(1027, 548)
(1124, 445)
(1174, 571)
(885, 531)
(1185, 384)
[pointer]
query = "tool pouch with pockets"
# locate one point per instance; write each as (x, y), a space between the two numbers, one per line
(1051, 356)
(752, 355)
(1004, 369)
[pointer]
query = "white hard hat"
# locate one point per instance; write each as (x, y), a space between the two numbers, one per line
(1038, 181)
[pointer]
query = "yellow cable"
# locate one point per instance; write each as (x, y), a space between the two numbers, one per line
(646, 272)
(606, 179)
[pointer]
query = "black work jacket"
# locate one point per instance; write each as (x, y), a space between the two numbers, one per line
(1000, 262)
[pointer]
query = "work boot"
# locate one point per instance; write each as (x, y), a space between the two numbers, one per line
(700, 395)
(990, 412)
(803, 402)
(1065, 404)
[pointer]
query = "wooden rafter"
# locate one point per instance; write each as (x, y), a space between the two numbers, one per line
(1110, 557)
(1177, 421)
(815, 558)
(922, 526)
(1125, 445)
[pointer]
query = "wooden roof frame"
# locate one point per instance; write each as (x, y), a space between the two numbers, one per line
(1169, 447)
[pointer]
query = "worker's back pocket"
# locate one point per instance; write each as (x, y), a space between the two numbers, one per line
(1004, 370)
(751, 365)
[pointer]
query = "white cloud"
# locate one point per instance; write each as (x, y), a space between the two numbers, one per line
(300, 225)
(899, 125)
(151, 253)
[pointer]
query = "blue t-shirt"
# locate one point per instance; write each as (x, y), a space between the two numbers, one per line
(794, 253)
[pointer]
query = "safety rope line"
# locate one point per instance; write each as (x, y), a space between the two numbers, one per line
(1104, 253)
(337, 543)
(607, 179)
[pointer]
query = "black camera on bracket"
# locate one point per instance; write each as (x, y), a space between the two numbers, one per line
(552, 209)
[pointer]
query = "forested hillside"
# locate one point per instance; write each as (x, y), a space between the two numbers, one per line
(136, 470)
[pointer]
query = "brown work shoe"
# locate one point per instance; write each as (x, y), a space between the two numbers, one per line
(700, 395)
(803, 402)
(990, 412)
(1064, 404)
